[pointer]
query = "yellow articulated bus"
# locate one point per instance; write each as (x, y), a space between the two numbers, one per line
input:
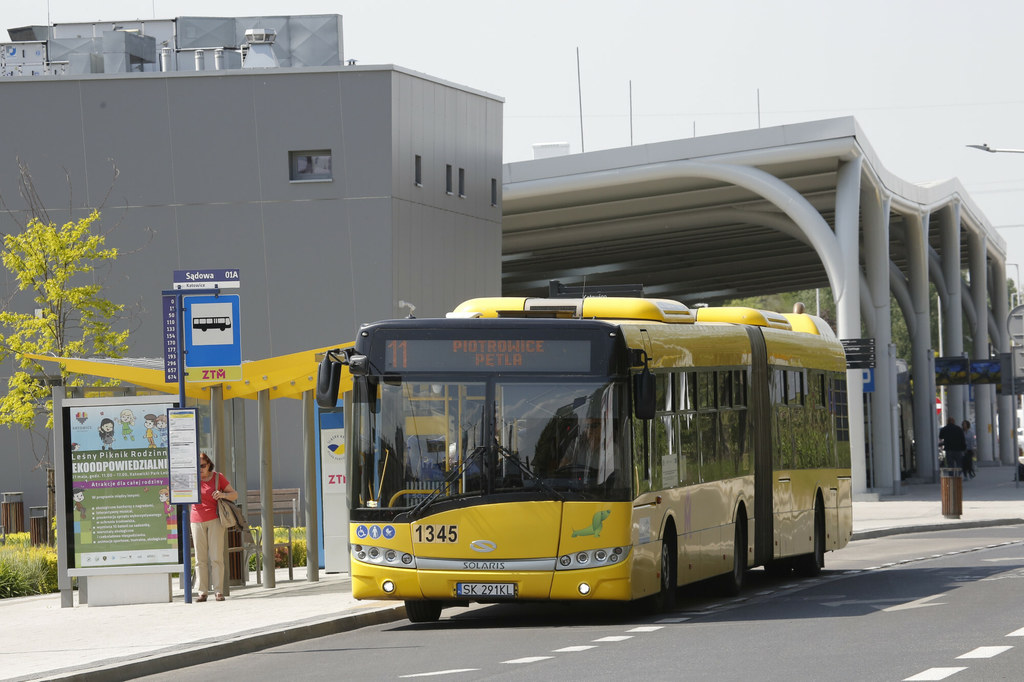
(599, 448)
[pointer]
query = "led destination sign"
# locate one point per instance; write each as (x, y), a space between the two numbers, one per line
(481, 355)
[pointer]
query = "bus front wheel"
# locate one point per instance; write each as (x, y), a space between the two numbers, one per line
(423, 611)
(665, 600)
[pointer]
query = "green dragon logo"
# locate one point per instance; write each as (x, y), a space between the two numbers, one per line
(595, 526)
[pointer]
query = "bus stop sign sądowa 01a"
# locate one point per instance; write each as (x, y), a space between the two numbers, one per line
(212, 334)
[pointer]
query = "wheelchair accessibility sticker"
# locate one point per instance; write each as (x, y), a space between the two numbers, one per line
(375, 532)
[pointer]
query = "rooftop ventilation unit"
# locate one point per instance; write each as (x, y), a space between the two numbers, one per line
(260, 48)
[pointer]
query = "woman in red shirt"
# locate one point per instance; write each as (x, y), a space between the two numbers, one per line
(207, 531)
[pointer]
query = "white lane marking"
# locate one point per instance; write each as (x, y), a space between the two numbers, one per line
(673, 620)
(528, 659)
(442, 672)
(614, 638)
(917, 603)
(933, 674)
(645, 628)
(1017, 633)
(573, 649)
(986, 652)
(877, 603)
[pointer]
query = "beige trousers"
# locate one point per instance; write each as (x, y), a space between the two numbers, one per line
(209, 539)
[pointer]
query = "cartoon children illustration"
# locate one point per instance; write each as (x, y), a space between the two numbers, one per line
(127, 422)
(165, 497)
(150, 422)
(78, 495)
(161, 429)
(107, 434)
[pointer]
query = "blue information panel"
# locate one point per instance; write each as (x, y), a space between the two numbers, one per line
(213, 348)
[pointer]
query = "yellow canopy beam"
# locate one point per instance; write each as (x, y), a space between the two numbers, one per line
(286, 376)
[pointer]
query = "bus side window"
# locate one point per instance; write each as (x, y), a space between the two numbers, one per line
(689, 467)
(641, 455)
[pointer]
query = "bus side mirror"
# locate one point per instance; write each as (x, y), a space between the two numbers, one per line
(643, 394)
(328, 380)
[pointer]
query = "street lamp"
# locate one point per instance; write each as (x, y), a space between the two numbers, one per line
(992, 150)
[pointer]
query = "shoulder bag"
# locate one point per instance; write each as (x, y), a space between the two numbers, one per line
(226, 512)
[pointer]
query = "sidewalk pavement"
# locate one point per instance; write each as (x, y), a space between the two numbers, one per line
(40, 640)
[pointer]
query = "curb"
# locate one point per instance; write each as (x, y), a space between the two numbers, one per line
(900, 530)
(234, 645)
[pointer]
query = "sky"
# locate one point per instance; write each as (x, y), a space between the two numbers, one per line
(923, 78)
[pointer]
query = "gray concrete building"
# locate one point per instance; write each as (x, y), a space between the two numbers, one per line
(337, 191)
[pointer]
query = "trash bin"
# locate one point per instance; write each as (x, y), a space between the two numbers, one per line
(238, 572)
(37, 522)
(12, 512)
(952, 480)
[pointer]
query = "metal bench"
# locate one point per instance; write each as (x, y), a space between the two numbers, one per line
(286, 505)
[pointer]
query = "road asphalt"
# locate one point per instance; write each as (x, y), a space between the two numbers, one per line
(40, 640)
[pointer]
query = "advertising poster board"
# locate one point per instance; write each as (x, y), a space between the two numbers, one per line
(115, 484)
(953, 370)
(334, 484)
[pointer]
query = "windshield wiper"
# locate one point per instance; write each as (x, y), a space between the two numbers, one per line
(512, 457)
(452, 476)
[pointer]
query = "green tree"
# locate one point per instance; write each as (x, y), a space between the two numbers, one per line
(56, 266)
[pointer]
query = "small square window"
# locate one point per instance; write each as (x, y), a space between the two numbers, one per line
(448, 178)
(310, 165)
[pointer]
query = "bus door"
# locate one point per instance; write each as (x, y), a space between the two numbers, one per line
(760, 416)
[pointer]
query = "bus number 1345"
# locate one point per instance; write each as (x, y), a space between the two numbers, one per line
(429, 532)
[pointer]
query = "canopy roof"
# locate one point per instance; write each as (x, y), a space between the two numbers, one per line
(285, 376)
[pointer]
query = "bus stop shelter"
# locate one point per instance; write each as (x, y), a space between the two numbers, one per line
(287, 376)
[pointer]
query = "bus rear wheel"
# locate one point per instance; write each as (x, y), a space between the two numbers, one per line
(810, 565)
(423, 611)
(732, 583)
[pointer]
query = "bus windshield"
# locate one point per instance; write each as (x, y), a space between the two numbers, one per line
(419, 442)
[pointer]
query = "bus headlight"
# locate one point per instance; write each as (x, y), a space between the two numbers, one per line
(383, 556)
(593, 558)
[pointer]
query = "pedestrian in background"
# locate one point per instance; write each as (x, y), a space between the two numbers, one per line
(207, 530)
(951, 437)
(971, 441)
